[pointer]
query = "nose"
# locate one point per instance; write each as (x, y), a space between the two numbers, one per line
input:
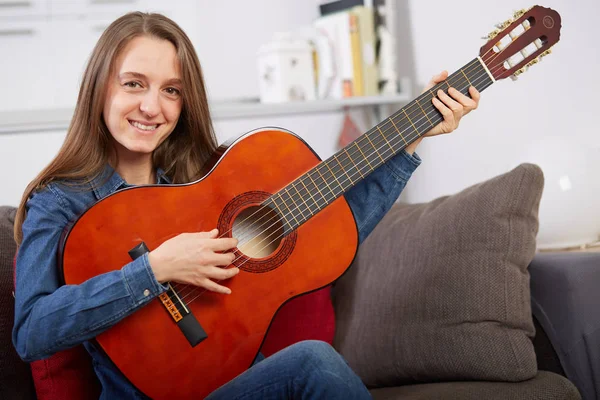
(150, 105)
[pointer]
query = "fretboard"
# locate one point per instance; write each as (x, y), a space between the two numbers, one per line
(317, 188)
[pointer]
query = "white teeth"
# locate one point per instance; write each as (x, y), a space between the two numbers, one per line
(143, 127)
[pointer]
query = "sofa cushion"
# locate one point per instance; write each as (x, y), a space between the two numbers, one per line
(440, 291)
(307, 317)
(544, 386)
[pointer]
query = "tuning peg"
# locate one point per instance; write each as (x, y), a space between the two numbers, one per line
(519, 71)
(544, 54)
(533, 62)
(492, 34)
(519, 13)
(505, 24)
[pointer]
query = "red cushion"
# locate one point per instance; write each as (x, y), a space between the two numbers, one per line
(66, 375)
(310, 316)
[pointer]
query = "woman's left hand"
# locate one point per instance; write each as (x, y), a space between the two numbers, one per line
(453, 107)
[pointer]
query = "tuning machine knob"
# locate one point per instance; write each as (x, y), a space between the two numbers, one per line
(545, 53)
(533, 62)
(492, 34)
(505, 24)
(519, 13)
(519, 72)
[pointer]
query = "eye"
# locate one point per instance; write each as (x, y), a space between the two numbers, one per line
(173, 91)
(132, 84)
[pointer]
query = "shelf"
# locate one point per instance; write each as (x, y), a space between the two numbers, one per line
(59, 119)
(256, 109)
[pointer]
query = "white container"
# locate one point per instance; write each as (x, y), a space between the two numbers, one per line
(286, 70)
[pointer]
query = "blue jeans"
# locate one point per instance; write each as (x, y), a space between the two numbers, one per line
(305, 370)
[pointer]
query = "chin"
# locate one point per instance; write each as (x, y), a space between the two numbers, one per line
(140, 147)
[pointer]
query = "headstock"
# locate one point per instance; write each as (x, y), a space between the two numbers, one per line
(521, 41)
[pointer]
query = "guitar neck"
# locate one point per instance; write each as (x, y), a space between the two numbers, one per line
(317, 188)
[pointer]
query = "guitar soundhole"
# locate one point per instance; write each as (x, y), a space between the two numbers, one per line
(263, 242)
(259, 231)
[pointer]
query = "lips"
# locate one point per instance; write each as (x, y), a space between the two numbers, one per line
(143, 126)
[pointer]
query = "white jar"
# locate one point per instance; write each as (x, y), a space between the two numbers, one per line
(286, 70)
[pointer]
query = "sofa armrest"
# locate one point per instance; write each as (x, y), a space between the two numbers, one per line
(564, 299)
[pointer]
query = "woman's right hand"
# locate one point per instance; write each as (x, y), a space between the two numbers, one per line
(195, 258)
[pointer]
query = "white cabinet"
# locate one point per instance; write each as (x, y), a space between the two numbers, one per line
(23, 9)
(26, 59)
(70, 56)
(45, 46)
(85, 8)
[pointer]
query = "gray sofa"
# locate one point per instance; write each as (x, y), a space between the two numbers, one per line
(438, 302)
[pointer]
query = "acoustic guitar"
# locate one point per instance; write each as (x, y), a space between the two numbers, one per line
(296, 232)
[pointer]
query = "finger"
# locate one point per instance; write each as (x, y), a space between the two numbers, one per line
(214, 287)
(442, 76)
(475, 95)
(222, 244)
(450, 102)
(446, 112)
(208, 235)
(220, 274)
(222, 259)
(465, 100)
(436, 79)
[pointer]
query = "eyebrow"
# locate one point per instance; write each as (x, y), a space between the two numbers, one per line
(138, 75)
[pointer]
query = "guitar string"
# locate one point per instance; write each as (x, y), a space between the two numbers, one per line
(467, 68)
(415, 106)
(301, 178)
(476, 79)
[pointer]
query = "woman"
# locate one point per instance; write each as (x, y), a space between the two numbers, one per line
(142, 118)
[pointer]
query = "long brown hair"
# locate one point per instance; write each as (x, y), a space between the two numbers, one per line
(88, 145)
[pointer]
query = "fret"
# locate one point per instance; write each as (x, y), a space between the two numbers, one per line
(280, 210)
(334, 176)
(287, 206)
(344, 170)
(399, 133)
(296, 204)
(409, 120)
(302, 197)
(426, 116)
(374, 149)
(466, 77)
(309, 193)
(353, 163)
(317, 186)
(366, 158)
(326, 183)
(384, 138)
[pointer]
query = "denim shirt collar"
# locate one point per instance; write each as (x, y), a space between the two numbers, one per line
(109, 181)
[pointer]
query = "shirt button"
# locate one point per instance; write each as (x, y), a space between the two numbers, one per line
(146, 293)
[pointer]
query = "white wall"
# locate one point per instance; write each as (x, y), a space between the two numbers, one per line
(549, 116)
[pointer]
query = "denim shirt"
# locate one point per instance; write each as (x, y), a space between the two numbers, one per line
(50, 317)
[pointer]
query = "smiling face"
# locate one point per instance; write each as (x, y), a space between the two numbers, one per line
(143, 101)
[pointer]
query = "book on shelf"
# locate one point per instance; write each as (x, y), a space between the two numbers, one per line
(351, 37)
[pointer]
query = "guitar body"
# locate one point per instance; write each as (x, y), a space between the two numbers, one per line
(148, 347)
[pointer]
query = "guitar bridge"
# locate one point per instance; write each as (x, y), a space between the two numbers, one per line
(176, 307)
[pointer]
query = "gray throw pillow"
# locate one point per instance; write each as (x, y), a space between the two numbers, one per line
(440, 291)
